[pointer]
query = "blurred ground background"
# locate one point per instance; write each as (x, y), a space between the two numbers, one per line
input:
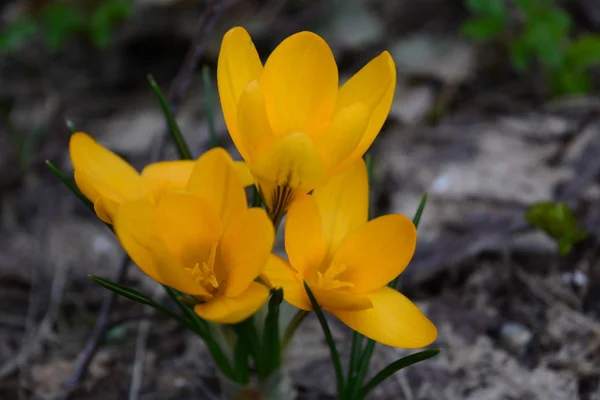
(485, 135)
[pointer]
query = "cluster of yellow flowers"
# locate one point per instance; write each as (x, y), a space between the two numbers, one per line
(187, 224)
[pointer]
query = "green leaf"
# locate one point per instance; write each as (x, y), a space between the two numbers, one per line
(489, 22)
(60, 22)
(395, 367)
(482, 28)
(335, 355)
(583, 53)
(17, 33)
(494, 8)
(569, 81)
(105, 18)
(520, 54)
(136, 296)
(240, 361)
(180, 143)
(209, 106)
(417, 218)
(201, 328)
(271, 345)
(70, 184)
(354, 365)
(559, 222)
(365, 358)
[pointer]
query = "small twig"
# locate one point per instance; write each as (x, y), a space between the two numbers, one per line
(88, 352)
(137, 375)
(140, 359)
(33, 344)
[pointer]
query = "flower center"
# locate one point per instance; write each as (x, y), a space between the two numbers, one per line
(278, 202)
(204, 273)
(329, 278)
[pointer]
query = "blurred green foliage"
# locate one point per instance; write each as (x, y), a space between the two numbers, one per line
(59, 21)
(541, 34)
(559, 222)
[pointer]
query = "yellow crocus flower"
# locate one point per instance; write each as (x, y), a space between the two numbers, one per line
(107, 180)
(347, 262)
(203, 241)
(290, 120)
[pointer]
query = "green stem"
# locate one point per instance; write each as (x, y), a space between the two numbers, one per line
(292, 327)
(200, 327)
(180, 143)
(355, 358)
(208, 104)
(70, 184)
(393, 368)
(335, 355)
(246, 331)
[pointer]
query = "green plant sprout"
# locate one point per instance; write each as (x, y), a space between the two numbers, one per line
(60, 21)
(559, 222)
(542, 34)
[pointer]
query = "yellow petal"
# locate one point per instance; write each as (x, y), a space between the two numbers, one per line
(334, 300)
(373, 85)
(105, 208)
(244, 249)
(238, 64)
(304, 242)
(293, 161)
(133, 226)
(101, 173)
(215, 178)
(377, 252)
(343, 204)
(105, 205)
(300, 81)
(342, 135)
(244, 173)
(231, 310)
(173, 273)
(186, 224)
(167, 175)
(279, 274)
(394, 321)
(253, 123)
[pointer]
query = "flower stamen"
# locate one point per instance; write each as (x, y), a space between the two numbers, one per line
(328, 278)
(204, 273)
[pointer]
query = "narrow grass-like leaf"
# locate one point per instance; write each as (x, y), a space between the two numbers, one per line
(136, 296)
(256, 200)
(180, 143)
(200, 328)
(240, 361)
(292, 326)
(417, 218)
(70, 184)
(370, 346)
(209, 106)
(335, 356)
(271, 346)
(355, 358)
(395, 367)
(363, 367)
